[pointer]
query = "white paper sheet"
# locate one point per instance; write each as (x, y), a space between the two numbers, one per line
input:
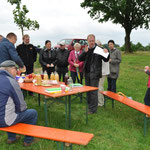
(101, 52)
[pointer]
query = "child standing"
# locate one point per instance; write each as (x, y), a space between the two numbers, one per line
(147, 95)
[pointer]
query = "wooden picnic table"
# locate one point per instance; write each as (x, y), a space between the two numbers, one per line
(53, 96)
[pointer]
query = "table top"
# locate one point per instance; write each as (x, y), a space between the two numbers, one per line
(41, 89)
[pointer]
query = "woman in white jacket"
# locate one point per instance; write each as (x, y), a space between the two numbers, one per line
(105, 72)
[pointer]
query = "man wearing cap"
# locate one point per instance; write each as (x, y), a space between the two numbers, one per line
(62, 55)
(8, 51)
(13, 108)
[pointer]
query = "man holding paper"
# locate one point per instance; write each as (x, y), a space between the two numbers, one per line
(92, 56)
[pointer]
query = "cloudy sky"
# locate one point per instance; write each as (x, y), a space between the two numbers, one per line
(61, 19)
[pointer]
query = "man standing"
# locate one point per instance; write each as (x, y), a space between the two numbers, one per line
(13, 107)
(62, 55)
(114, 62)
(8, 51)
(28, 53)
(92, 70)
(1, 37)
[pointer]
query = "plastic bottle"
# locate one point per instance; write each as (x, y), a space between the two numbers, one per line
(39, 79)
(66, 78)
(56, 77)
(52, 77)
(45, 76)
(70, 82)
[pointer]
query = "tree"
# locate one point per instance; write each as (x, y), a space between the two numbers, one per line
(130, 14)
(20, 18)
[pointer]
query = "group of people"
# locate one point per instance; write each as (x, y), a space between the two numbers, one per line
(87, 63)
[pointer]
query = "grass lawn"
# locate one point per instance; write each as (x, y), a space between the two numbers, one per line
(120, 128)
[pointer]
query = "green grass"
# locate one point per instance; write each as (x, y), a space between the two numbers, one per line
(120, 128)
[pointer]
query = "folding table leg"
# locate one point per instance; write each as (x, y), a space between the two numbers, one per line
(145, 125)
(45, 112)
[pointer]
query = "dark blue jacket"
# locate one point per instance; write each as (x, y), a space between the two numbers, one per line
(11, 99)
(8, 52)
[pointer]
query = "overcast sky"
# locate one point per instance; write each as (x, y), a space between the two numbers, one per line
(61, 19)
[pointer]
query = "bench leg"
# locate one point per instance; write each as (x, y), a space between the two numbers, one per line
(61, 146)
(39, 99)
(145, 125)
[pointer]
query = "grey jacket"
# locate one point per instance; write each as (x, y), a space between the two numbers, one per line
(115, 56)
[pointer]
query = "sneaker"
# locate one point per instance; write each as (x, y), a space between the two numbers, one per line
(17, 138)
(29, 144)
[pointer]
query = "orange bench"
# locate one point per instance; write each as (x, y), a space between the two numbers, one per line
(58, 135)
(131, 103)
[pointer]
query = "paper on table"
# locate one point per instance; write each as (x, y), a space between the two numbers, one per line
(101, 52)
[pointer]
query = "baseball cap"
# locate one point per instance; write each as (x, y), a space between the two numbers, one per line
(8, 63)
(62, 43)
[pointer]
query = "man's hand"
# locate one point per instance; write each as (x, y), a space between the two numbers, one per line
(48, 65)
(51, 65)
(23, 69)
(105, 50)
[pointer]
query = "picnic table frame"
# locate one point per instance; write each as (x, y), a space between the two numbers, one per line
(40, 90)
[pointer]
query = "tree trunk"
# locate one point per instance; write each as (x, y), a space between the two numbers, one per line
(127, 41)
(22, 32)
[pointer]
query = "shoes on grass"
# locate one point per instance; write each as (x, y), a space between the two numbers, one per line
(11, 142)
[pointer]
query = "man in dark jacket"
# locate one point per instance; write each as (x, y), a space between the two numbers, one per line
(8, 51)
(13, 107)
(62, 55)
(28, 53)
(92, 70)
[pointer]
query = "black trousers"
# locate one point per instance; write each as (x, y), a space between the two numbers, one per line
(147, 97)
(92, 96)
(49, 70)
(111, 84)
(29, 69)
(61, 72)
(74, 77)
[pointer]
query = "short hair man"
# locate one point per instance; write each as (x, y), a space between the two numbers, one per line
(93, 71)
(114, 63)
(62, 55)
(8, 51)
(1, 37)
(28, 53)
(13, 107)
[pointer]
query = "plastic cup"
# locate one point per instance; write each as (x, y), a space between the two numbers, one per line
(63, 88)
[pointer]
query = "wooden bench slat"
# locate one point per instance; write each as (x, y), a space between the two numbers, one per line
(54, 134)
(134, 104)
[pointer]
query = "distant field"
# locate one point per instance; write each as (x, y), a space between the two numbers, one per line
(120, 128)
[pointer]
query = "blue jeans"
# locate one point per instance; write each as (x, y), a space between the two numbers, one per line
(28, 116)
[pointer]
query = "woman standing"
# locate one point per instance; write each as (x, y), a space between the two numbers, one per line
(47, 58)
(76, 66)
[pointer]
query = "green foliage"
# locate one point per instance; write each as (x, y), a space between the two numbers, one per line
(137, 47)
(130, 14)
(20, 18)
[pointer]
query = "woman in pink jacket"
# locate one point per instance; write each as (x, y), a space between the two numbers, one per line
(76, 66)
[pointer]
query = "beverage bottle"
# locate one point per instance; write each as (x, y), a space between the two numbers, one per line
(70, 82)
(56, 77)
(45, 76)
(52, 77)
(39, 80)
(66, 78)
